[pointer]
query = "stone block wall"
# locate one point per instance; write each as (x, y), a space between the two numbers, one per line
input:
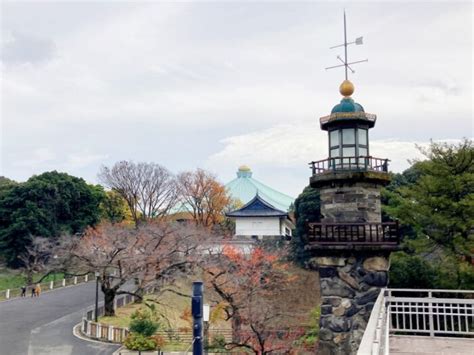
(350, 285)
(357, 202)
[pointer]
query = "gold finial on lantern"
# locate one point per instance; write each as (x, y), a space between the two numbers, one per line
(346, 88)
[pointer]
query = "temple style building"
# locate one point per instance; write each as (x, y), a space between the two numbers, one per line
(260, 220)
(351, 245)
(245, 187)
(265, 211)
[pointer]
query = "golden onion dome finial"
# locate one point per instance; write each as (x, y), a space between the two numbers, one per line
(346, 88)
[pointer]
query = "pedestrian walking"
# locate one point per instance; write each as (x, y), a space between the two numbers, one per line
(38, 290)
(23, 291)
(33, 291)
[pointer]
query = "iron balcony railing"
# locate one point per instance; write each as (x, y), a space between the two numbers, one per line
(385, 233)
(349, 164)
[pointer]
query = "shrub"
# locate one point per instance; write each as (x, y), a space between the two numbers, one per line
(139, 342)
(218, 342)
(143, 322)
(145, 327)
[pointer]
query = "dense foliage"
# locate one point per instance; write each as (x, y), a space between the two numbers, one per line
(307, 209)
(46, 205)
(434, 200)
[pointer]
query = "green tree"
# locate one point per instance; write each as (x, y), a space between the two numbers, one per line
(6, 184)
(114, 208)
(307, 209)
(438, 203)
(46, 205)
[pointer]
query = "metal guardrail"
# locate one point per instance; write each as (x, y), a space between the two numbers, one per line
(417, 312)
(361, 163)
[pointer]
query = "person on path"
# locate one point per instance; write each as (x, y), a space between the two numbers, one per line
(38, 290)
(33, 291)
(23, 291)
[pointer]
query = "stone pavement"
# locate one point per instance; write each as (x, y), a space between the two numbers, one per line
(423, 345)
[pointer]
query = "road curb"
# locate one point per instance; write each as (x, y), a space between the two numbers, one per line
(76, 331)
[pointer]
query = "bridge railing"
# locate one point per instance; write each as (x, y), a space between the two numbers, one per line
(417, 312)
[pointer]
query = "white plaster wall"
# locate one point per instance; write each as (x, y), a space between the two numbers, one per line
(285, 223)
(257, 226)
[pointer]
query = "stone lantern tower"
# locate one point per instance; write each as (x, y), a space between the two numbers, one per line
(351, 246)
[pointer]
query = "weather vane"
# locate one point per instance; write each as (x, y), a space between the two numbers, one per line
(345, 63)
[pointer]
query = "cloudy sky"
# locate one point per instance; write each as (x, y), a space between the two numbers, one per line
(220, 84)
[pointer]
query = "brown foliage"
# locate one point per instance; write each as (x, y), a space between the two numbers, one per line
(203, 196)
(245, 285)
(150, 254)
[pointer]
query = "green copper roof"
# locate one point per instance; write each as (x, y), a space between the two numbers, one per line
(245, 187)
(347, 105)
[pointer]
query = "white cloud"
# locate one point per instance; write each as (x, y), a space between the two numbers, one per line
(37, 158)
(281, 154)
(167, 81)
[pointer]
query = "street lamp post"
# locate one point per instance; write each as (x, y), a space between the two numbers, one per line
(97, 275)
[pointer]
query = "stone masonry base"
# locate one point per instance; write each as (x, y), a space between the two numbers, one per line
(349, 287)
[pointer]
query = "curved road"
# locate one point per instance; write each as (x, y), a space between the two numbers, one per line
(43, 325)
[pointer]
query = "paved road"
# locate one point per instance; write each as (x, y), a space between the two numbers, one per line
(40, 326)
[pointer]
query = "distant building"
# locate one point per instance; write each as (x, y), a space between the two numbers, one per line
(244, 188)
(259, 219)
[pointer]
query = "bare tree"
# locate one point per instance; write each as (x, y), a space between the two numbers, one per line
(149, 189)
(36, 256)
(149, 254)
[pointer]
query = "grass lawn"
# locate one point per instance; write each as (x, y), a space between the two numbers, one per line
(12, 279)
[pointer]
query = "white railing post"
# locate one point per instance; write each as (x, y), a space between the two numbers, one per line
(98, 329)
(63, 282)
(430, 310)
(387, 331)
(7, 294)
(51, 285)
(111, 333)
(75, 280)
(86, 278)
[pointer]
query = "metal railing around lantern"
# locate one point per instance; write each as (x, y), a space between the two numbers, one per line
(385, 233)
(349, 164)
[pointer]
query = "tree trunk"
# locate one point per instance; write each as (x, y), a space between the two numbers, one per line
(140, 291)
(236, 327)
(29, 277)
(109, 297)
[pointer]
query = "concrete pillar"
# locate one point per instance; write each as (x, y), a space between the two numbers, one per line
(75, 280)
(86, 278)
(51, 285)
(63, 282)
(7, 294)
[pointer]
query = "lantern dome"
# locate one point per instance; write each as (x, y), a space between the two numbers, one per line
(347, 104)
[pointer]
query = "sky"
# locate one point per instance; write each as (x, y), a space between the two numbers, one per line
(220, 84)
